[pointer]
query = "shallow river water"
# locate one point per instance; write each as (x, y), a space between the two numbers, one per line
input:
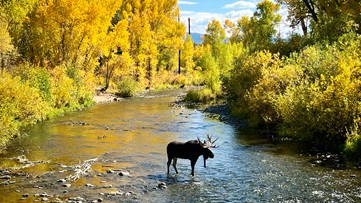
(131, 136)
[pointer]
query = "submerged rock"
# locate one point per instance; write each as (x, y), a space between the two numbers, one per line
(89, 185)
(76, 200)
(110, 171)
(4, 172)
(8, 182)
(61, 180)
(97, 200)
(44, 194)
(67, 185)
(5, 177)
(123, 173)
(162, 185)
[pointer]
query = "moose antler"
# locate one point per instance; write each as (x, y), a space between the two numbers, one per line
(208, 143)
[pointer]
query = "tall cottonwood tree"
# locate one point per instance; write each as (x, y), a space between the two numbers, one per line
(326, 19)
(298, 14)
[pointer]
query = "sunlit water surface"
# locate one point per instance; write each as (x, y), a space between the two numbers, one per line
(132, 136)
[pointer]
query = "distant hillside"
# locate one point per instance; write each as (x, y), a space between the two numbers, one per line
(197, 38)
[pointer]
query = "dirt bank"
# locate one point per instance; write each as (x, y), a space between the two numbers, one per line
(105, 97)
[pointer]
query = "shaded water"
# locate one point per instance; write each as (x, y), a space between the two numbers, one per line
(132, 135)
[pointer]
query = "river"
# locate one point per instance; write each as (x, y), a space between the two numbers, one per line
(130, 138)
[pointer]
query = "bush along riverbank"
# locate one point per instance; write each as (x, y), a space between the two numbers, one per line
(31, 94)
(312, 96)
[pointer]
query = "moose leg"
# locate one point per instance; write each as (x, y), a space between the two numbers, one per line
(193, 163)
(168, 164)
(175, 165)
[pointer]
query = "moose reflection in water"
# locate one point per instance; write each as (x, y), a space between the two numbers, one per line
(190, 150)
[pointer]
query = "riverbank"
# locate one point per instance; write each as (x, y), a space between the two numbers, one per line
(105, 97)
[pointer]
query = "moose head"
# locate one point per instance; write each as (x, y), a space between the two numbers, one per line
(190, 150)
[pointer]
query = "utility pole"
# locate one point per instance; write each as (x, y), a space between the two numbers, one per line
(179, 55)
(189, 26)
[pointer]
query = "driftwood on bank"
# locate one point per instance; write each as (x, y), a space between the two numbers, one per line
(82, 169)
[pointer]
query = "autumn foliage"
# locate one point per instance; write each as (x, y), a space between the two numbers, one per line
(54, 54)
(305, 86)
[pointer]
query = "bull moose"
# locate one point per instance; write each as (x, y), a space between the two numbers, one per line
(191, 150)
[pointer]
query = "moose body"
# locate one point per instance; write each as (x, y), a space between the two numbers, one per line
(189, 150)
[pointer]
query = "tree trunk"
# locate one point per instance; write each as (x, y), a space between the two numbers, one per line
(304, 26)
(311, 8)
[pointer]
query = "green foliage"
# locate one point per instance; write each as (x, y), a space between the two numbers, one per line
(128, 87)
(215, 33)
(82, 81)
(307, 86)
(31, 94)
(20, 105)
(211, 72)
(38, 78)
(204, 95)
(313, 95)
(330, 28)
(353, 142)
(257, 31)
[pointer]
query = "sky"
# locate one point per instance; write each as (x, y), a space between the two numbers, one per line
(201, 12)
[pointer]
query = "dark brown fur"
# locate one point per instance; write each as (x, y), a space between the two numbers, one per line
(189, 150)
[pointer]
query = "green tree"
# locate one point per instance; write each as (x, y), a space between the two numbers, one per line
(257, 32)
(327, 19)
(214, 33)
(297, 14)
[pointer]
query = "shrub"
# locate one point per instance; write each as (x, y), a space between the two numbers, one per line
(326, 100)
(353, 142)
(83, 87)
(245, 75)
(313, 95)
(63, 91)
(20, 105)
(211, 73)
(192, 96)
(37, 77)
(204, 95)
(195, 77)
(128, 87)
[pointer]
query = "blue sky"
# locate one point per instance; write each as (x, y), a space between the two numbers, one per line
(201, 12)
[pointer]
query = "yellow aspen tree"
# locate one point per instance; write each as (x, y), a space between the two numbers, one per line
(114, 55)
(187, 55)
(64, 31)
